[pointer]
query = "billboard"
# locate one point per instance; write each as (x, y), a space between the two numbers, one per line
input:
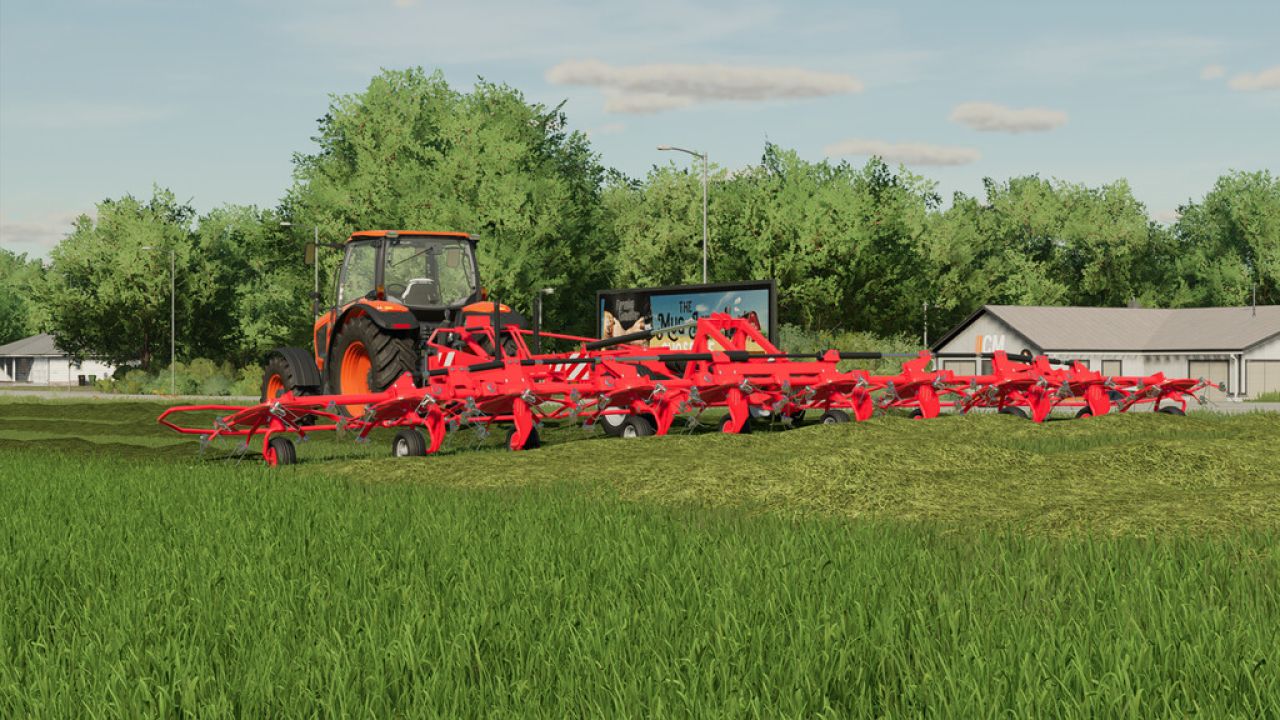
(624, 311)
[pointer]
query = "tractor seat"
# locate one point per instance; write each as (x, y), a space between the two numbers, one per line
(420, 292)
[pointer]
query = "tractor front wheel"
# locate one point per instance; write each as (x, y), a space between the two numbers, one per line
(367, 359)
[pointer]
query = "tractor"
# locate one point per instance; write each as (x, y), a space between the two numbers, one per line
(393, 290)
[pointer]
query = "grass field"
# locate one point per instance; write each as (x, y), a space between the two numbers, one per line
(962, 567)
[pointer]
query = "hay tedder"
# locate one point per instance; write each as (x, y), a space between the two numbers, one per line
(478, 367)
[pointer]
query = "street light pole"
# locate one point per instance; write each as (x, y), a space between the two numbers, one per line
(173, 322)
(704, 201)
(173, 318)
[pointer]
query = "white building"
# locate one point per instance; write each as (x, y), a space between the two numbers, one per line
(1238, 346)
(38, 361)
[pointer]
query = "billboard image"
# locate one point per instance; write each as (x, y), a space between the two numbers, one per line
(629, 310)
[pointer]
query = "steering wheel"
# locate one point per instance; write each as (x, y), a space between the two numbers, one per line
(396, 289)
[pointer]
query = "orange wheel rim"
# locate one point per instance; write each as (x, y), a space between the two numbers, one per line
(275, 387)
(355, 374)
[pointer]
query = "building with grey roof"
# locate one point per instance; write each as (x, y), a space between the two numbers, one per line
(36, 360)
(1237, 346)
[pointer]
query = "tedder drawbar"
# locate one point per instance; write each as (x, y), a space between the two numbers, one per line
(483, 373)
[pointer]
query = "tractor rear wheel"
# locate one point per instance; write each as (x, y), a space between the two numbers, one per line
(367, 359)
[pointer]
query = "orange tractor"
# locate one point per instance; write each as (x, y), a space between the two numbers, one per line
(393, 290)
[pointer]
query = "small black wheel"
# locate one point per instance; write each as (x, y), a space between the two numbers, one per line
(637, 426)
(280, 451)
(1172, 410)
(746, 426)
(1084, 413)
(533, 442)
(408, 443)
(835, 417)
(916, 414)
(796, 417)
(612, 424)
(1014, 411)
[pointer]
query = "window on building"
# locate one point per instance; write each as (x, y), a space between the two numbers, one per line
(1112, 368)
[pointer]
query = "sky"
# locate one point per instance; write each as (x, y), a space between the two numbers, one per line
(212, 99)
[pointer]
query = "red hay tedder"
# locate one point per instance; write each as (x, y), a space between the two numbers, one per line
(483, 373)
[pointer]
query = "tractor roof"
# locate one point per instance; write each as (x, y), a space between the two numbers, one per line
(363, 234)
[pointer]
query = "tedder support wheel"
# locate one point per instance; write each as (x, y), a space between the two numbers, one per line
(408, 443)
(916, 414)
(835, 417)
(367, 359)
(1014, 411)
(746, 426)
(637, 426)
(612, 424)
(533, 442)
(280, 451)
(1084, 413)
(1172, 410)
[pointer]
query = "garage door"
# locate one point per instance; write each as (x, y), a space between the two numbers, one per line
(1261, 376)
(960, 367)
(1215, 371)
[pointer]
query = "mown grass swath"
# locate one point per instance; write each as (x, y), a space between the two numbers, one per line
(170, 585)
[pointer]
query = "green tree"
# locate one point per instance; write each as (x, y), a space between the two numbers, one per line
(1041, 242)
(842, 242)
(259, 285)
(108, 297)
(1229, 242)
(409, 152)
(22, 313)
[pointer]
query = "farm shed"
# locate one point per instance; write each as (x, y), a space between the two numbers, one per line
(1238, 346)
(36, 360)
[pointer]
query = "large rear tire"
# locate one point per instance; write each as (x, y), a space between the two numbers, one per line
(367, 359)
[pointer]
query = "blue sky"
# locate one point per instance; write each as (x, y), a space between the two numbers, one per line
(211, 99)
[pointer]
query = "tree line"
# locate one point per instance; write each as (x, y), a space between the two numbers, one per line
(852, 247)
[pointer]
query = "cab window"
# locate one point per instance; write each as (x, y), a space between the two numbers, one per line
(358, 271)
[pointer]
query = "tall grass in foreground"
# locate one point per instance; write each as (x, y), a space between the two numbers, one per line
(147, 589)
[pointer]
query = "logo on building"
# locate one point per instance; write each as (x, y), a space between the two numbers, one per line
(988, 343)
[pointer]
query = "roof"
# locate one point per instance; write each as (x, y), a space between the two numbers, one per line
(34, 346)
(362, 234)
(1135, 329)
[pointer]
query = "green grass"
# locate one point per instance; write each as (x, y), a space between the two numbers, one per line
(1269, 397)
(964, 567)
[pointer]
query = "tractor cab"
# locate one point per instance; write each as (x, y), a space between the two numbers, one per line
(431, 275)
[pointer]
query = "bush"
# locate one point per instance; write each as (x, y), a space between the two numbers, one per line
(793, 338)
(200, 376)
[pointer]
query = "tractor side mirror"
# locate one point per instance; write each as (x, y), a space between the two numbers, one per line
(311, 254)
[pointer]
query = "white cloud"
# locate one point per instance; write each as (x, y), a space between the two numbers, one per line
(643, 103)
(1166, 217)
(1268, 79)
(1212, 72)
(990, 117)
(907, 153)
(36, 236)
(651, 88)
(607, 129)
